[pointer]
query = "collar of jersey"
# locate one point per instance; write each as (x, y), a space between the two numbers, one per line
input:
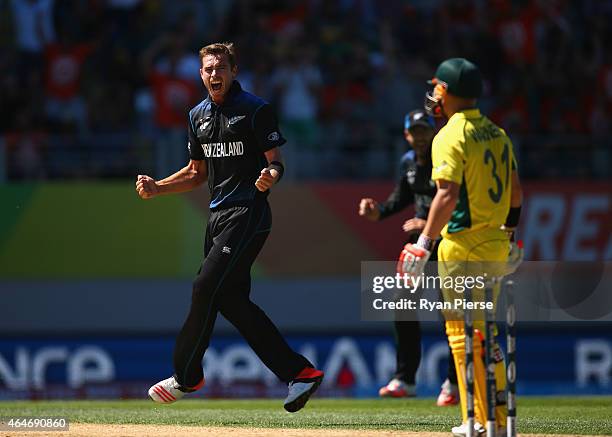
(233, 91)
(466, 113)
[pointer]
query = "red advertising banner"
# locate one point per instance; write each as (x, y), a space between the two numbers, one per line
(317, 230)
(567, 221)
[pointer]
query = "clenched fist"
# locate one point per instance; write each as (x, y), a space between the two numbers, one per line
(368, 208)
(266, 179)
(146, 187)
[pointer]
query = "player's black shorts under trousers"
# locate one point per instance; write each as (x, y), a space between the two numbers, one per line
(234, 237)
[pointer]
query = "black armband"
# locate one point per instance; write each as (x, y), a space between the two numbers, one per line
(280, 168)
(512, 219)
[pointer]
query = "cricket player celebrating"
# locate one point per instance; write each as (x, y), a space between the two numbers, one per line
(234, 142)
(475, 209)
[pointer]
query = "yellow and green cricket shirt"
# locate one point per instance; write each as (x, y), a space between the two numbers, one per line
(476, 154)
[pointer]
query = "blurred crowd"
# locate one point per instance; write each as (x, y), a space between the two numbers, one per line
(100, 88)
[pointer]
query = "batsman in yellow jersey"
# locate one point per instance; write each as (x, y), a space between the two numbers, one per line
(475, 209)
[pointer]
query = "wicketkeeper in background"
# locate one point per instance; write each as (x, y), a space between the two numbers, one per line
(414, 187)
(476, 209)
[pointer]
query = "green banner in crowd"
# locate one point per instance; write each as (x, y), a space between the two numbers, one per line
(87, 230)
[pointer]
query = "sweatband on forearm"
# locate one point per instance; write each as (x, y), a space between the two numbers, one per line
(512, 219)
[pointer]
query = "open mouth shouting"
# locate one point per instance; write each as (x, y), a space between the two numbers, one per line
(217, 75)
(216, 86)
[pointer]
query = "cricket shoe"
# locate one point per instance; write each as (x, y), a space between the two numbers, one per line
(397, 389)
(302, 387)
(449, 395)
(169, 391)
(461, 430)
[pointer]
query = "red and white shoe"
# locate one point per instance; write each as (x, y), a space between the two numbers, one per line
(169, 391)
(449, 395)
(396, 388)
(302, 387)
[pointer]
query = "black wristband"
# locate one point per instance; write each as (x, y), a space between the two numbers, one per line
(512, 219)
(280, 168)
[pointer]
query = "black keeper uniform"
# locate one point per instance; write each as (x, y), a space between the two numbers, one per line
(414, 187)
(232, 138)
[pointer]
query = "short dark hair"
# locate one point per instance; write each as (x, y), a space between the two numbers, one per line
(220, 48)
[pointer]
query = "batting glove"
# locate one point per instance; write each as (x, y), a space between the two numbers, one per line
(515, 251)
(414, 257)
(515, 256)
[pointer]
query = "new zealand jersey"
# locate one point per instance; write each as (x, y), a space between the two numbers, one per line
(233, 138)
(415, 186)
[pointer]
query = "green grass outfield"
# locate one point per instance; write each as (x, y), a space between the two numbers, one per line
(561, 415)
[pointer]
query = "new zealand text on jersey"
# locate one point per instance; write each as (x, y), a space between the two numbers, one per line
(220, 150)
